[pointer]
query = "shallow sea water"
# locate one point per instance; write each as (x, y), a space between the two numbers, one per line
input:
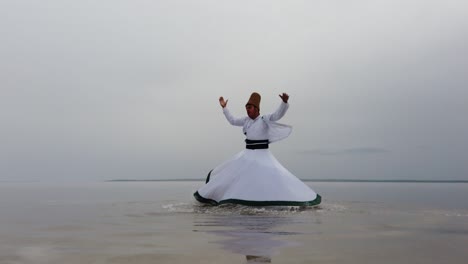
(159, 222)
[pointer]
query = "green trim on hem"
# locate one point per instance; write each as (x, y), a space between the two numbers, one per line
(202, 199)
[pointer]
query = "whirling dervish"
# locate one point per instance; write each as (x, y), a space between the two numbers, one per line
(254, 176)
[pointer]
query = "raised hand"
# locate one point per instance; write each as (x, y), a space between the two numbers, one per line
(222, 102)
(284, 97)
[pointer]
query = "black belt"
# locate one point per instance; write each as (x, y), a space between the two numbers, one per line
(256, 144)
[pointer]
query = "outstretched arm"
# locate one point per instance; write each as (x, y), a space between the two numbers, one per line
(279, 113)
(230, 118)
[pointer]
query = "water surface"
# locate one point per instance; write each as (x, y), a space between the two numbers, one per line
(159, 222)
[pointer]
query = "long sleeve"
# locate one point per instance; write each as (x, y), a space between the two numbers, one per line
(233, 120)
(278, 114)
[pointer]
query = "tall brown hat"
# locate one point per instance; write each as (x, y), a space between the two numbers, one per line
(254, 100)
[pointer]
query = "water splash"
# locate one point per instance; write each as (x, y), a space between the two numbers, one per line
(234, 209)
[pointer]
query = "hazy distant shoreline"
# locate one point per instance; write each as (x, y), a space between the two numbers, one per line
(307, 180)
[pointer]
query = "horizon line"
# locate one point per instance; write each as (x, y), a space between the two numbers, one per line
(308, 180)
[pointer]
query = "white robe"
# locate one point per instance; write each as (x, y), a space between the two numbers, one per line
(263, 127)
(254, 176)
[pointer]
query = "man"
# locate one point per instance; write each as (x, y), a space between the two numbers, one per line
(252, 106)
(254, 176)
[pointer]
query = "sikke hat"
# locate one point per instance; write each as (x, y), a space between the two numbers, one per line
(254, 100)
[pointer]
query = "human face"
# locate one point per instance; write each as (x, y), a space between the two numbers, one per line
(252, 111)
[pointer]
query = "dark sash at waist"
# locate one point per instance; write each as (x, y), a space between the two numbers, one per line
(256, 144)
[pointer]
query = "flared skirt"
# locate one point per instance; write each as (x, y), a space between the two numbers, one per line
(255, 177)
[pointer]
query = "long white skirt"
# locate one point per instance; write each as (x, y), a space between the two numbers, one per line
(255, 177)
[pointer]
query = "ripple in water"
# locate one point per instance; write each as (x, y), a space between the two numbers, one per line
(234, 209)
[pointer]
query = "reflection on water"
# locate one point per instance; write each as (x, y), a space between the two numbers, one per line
(257, 259)
(258, 233)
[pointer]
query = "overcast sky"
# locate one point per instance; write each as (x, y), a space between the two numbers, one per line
(98, 90)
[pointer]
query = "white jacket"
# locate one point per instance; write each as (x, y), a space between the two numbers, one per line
(264, 126)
